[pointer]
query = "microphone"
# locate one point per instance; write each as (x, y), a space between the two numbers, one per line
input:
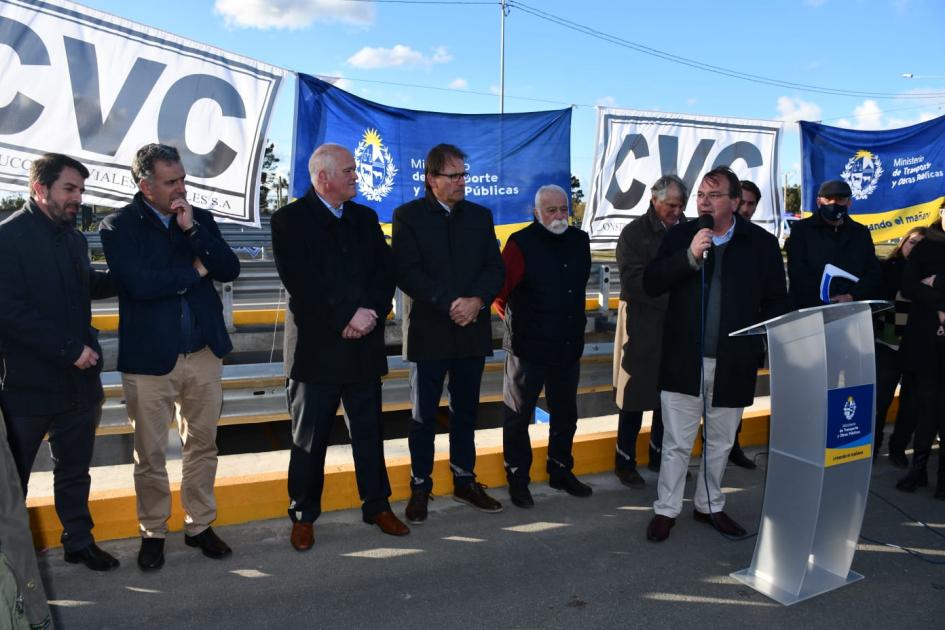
(706, 221)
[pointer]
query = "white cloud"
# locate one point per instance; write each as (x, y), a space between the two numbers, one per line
(893, 122)
(793, 109)
(815, 3)
(369, 58)
(292, 14)
(494, 89)
(607, 101)
(691, 101)
(441, 55)
(459, 83)
(869, 116)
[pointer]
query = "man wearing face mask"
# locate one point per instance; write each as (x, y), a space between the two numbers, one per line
(830, 236)
(547, 266)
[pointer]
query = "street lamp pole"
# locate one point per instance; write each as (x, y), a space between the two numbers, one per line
(503, 7)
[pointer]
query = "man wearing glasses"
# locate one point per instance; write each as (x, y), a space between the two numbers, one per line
(719, 279)
(542, 303)
(448, 262)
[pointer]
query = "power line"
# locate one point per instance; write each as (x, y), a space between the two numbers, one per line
(423, 1)
(419, 86)
(706, 67)
(441, 89)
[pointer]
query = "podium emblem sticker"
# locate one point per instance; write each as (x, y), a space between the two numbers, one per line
(849, 424)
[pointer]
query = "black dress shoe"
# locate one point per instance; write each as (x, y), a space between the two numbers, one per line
(898, 458)
(416, 511)
(630, 478)
(658, 529)
(571, 484)
(915, 478)
(521, 496)
(737, 456)
(721, 522)
(209, 543)
(151, 555)
(93, 557)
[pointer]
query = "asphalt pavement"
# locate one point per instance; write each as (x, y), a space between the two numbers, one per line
(567, 563)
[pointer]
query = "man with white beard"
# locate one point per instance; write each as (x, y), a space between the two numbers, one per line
(547, 265)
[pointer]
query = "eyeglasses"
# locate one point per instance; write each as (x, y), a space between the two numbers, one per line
(712, 196)
(453, 177)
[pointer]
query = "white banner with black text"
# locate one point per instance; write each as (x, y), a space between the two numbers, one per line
(97, 87)
(635, 148)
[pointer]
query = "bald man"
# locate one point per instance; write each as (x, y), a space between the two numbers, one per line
(338, 270)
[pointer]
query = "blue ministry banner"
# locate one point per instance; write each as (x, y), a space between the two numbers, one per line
(509, 156)
(897, 175)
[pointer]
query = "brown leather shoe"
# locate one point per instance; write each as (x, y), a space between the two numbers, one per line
(474, 495)
(303, 537)
(658, 529)
(389, 523)
(416, 511)
(720, 521)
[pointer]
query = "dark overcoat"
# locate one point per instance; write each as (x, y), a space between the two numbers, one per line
(331, 267)
(440, 256)
(922, 347)
(814, 243)
(637, 246)
(753, 290)
(46, 288)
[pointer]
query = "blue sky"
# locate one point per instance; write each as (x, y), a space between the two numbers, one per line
(445, 56)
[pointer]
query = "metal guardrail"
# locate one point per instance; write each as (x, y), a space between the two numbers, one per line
(259, 287)
(254, 394)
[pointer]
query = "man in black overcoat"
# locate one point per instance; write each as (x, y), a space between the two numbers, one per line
(719, 279)
(448, 262)
(333, 260)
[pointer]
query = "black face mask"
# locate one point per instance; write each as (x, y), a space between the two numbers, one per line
(833, 211)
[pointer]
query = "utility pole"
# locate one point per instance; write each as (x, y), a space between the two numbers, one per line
(281, 185)
(504, 8)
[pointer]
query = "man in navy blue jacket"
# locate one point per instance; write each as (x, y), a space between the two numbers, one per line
(166, 255)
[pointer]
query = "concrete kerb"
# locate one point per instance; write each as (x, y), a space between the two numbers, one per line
(262, 494)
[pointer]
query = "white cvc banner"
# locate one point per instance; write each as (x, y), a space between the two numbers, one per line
(635, 148)
(96, 87)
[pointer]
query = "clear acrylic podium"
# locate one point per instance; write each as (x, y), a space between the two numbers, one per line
(823, 375)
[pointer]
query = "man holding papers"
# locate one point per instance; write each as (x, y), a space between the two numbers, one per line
(830, 249)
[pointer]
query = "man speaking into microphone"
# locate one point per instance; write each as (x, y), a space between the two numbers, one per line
(722, 274)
